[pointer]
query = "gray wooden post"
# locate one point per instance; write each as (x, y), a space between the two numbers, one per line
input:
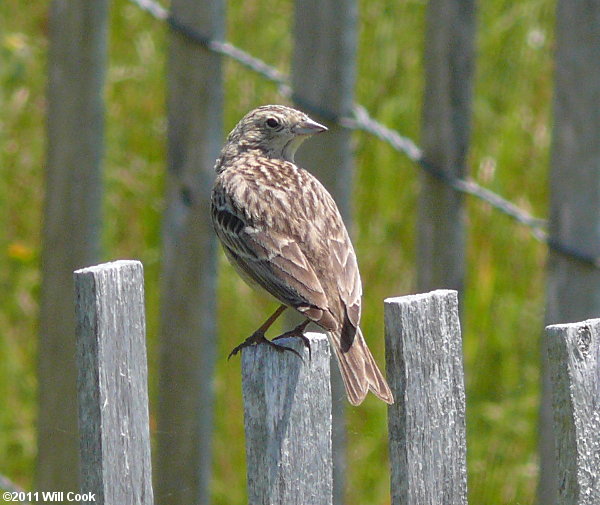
(573, 289)
(427, 422)
(72, 219)
(188, 284)
(574, 367)
(323, 79)
(287, 413)
(112, 384)
(449, 62)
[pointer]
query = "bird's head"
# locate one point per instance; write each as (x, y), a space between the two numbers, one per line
(275, 131)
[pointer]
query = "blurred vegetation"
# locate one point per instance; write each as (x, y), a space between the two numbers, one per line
(503, 302)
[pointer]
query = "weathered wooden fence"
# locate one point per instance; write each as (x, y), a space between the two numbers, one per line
(323, 76)
(287, 403)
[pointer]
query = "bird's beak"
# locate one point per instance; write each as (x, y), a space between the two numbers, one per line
(308, 127)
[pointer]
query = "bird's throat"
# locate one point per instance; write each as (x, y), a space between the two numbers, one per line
(289, 149)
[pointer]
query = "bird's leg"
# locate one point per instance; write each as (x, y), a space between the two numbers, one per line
(298, 331)
(259, 336)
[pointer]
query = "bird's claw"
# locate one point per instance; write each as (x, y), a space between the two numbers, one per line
(283, 348)
(259, 338)
(298, 332)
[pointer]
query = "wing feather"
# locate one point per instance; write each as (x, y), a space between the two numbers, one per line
(264, 257)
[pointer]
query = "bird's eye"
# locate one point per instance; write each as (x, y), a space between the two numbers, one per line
(272, 122)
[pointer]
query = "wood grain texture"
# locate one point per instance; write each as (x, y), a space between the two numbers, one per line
(446, 124)
(573, 288)
(112, 384)
(324, 78)
(72, 221)
(427, 422)
(574, 367)
(287, 414)
(189, 268)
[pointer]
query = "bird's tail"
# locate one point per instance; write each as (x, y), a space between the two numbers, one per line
(359, 370)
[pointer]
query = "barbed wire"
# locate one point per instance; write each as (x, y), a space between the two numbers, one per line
(363, 121)
(366, 123)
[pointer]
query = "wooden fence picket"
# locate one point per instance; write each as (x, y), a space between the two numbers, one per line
(574, 367)
(287, 407)
(188, 327)
(112, 384)
(449, 75)
(72, 228)
(427, 422)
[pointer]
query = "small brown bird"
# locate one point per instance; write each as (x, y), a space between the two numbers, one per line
(282, 231)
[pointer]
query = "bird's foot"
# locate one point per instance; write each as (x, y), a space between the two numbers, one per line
(298, 332)
(258, 337)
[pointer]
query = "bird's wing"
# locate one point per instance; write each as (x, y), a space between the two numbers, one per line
(269, 258)
(344, 267)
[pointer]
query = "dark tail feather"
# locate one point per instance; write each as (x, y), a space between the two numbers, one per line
(359, 370)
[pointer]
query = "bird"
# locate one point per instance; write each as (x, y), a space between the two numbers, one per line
(282, 231)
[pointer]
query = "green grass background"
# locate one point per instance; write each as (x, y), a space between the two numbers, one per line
(504, 298)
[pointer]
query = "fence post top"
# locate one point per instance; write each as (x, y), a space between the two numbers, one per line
(578, 324)
(315, 339)
(310, 335)
(111, 265)
(420, 296)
